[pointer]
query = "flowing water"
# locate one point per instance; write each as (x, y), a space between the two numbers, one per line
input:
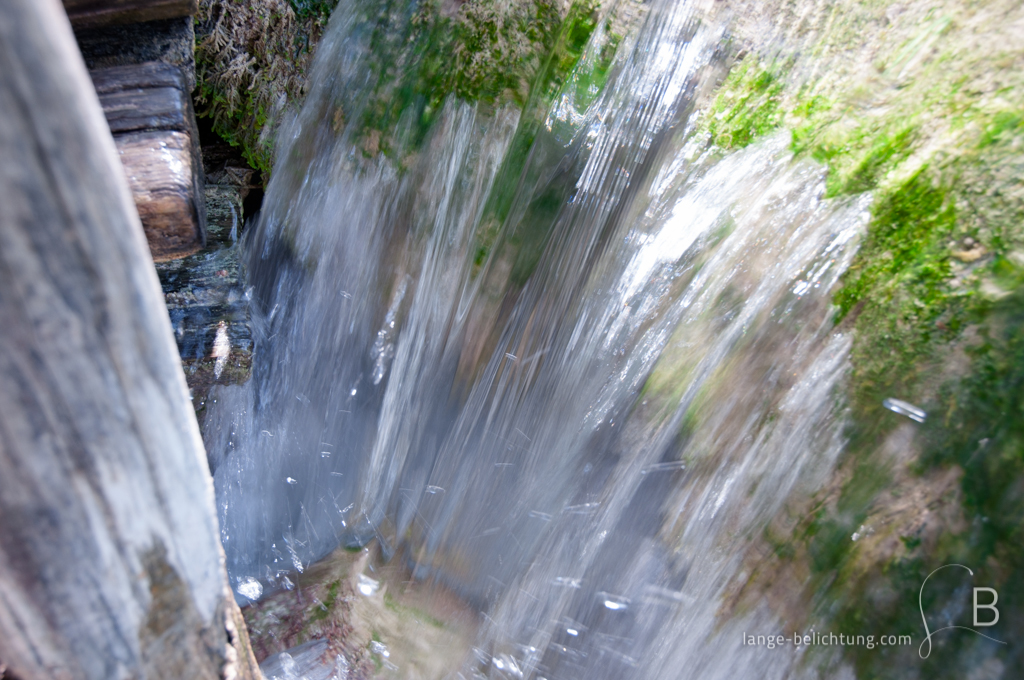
(580, 445)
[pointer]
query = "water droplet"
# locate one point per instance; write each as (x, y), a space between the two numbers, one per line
(250, 588)
(368, 586)
(905, 409)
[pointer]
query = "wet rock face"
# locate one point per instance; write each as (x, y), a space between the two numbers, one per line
(352, 616)
(205, 298)
(919, 104)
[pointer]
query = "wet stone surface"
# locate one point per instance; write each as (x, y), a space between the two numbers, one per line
(205, 298)
(352, 616)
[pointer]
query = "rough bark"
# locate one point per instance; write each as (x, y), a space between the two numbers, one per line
(110, 561)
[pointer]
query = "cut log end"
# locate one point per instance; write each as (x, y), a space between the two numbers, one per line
(159, 167)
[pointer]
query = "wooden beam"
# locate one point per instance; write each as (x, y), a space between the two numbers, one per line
(91, 13)
(148, 74)
(148, 96)
(110, 560)
(150, 114)
(159, 166)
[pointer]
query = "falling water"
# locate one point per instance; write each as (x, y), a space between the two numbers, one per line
(577, 450)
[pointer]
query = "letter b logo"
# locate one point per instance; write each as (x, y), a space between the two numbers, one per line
(991, 605)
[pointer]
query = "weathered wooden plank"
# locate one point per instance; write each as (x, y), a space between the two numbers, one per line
(155, 108)
(170, 41)
(113, 79)
(149, 96)
(110, 561)
(150, 113)
(161, 174)
(89, 13)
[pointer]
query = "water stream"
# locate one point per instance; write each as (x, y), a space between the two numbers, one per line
(578, 446)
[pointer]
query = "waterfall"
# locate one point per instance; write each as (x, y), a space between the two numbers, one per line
(570, 411)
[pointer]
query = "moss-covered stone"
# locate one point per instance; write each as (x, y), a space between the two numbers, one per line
(252, 63)
(747, 105)
(921, 104)
(254, 60)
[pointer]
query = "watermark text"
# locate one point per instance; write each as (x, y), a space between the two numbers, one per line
(814, 639)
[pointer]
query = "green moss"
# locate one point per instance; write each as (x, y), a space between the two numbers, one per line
(1004, 125)
(308, 8)
(978, 427)
(905, 249)
(910, 300)
(233, 126)
(747, 105)
(983, 428)
(411, 612)
(378, 663)
(881, 154)
(332, 594)
(489, 53)
(249, 60)
(829, 534)
(568, 72)
(858, 157)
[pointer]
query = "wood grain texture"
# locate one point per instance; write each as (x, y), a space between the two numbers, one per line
(113, 79)
(148, 96)
(151, 116)
(155, 108)
(91, 13)
(110, 561)
(160, 171)
(170, 41)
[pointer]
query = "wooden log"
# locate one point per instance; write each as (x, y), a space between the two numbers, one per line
(150, 113)
(172, 41)
(142, 76)
(149, 96)
(91, 13)
(157, 108)
(110, 560)
(160, 171)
